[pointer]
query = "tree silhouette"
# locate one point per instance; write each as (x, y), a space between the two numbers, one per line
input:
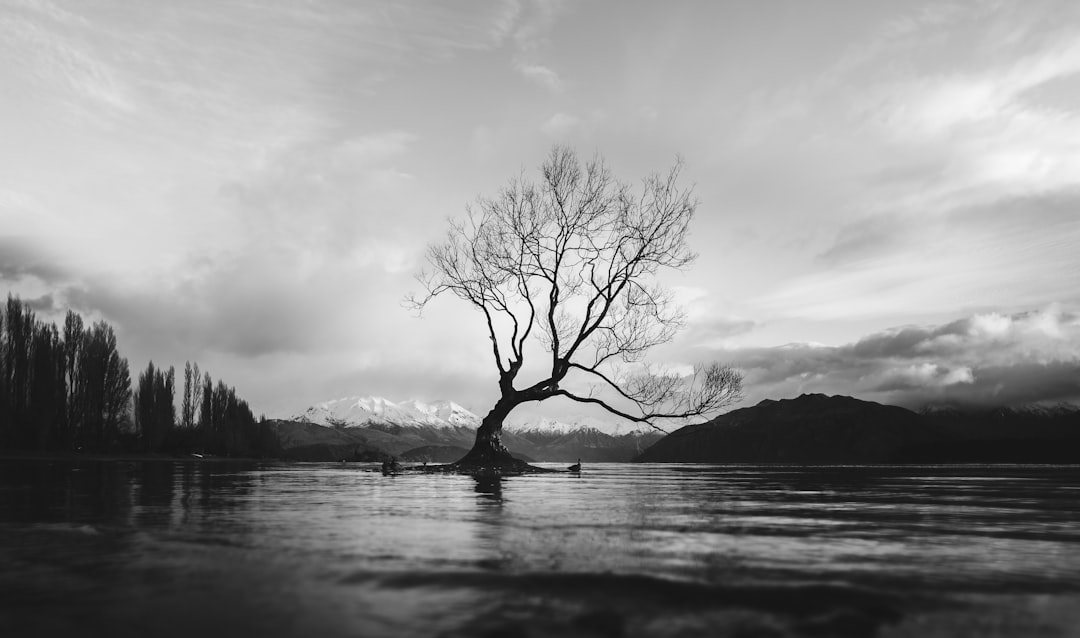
(47, 396)
(106, 382)
(18, 351)
(58, 391)
(196, 394)
(70, 389)
(74, 380)
(207, 422)
(5, 390)
(187, 406)
(155, 414)
(568, 263)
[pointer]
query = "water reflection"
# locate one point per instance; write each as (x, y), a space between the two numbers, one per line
(489, 489)
(129, 548)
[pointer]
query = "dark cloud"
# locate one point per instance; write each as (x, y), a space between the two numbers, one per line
(21, 257)
(249, 307)
(986, 359)
(43, 304)
(903, 342)
(1019, 384)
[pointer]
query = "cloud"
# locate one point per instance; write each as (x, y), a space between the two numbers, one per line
(541, 75)
(921, 376)
(533, 21)
(363, 150)
(234, 313)
(892, 265)
(941, 103)
(476, 389)
(43, 304)
(924, 120)
(22, 257)
(871, 237)
(291, 336)
(561, 125)
(977, 129)
(483, 143)
(714, 331)
(984, 359)
(55, 51)
(647, 113)
(326, 197)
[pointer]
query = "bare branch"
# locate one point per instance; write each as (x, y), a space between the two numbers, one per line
(569, 260)
(660, 395)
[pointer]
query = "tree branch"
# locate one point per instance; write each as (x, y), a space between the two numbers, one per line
(569, 260)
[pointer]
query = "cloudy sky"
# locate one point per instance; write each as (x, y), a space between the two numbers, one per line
(890, 192)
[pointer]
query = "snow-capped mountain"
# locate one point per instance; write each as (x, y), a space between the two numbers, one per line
(347, 427)
(442, 411)
(360, 411)
(548, 426)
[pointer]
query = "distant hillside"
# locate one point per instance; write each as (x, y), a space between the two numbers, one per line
(815, 428)
(586, 444)
(299, 441)
(1035, 434)
(304, 441)
(373, 426)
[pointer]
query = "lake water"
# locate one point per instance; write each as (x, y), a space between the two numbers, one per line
(216, 548)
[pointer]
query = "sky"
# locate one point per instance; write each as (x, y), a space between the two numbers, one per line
(889, 192)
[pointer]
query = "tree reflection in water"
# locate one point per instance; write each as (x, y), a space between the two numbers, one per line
(489, 489)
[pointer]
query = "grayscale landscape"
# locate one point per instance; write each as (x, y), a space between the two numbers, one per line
(534, 318)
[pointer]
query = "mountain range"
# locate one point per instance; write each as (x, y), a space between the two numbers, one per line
(373, 428)
(361, 411)
(812, 428)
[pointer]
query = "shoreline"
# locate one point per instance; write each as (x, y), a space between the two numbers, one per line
(46, 455)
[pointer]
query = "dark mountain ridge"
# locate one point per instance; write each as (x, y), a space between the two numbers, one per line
(815, 428)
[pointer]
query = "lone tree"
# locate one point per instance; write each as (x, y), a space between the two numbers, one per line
(568, 263)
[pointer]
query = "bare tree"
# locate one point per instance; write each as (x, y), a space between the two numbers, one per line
(569, 263)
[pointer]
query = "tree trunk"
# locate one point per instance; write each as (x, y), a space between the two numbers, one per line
(488, 454)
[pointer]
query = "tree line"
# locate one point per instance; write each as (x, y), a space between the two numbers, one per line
(69, 389)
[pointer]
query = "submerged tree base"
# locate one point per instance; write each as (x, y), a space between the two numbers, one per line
(485, 461)
(521, 467)
(488, 460)
(517, 469)
(488, 456)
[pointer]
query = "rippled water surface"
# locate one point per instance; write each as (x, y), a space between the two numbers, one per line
(217, 548)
